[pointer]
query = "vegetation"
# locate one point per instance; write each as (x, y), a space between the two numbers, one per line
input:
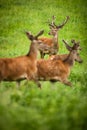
(55, 106)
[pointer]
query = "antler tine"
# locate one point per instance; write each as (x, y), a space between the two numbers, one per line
(52, 24)
(65, 41)
(60, 26)
(48, 21)
(53, 18)
(76, 44)
(67, 46)
(73, 41)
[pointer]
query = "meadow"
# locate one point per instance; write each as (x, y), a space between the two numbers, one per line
(55, 106)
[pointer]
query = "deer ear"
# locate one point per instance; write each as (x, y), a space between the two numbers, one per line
(29, 35)
(40, 33)
(67, 46)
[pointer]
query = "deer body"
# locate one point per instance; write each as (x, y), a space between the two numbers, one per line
(13, 69)
(47, 41)
(22, 67)
(49, 45)
(57, 69)
(53, 70)
(58, 57)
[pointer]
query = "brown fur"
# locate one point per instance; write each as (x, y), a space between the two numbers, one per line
(58, 57)
(50, 45)
(57, 69)
(52, 70)
(17, 68)
(47, 41)
(22, 67)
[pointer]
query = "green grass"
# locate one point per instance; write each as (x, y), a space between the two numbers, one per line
(55, 106)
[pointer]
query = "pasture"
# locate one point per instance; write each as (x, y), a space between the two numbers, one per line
(55, 106)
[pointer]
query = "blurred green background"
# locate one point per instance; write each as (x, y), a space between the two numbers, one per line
(55, 106)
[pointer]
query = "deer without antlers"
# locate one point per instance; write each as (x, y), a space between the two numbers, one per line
(50, 45)
(22, 67)
(57, 69)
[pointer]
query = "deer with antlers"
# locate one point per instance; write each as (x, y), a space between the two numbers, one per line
(51, 45)
(22, 67)
(61, 56)
(59, 70)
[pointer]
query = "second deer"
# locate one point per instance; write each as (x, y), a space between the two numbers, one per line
(57, 69)
(51, 45)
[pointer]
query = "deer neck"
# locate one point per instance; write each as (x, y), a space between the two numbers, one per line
(55, 40)
(70, 60)
(33, 51)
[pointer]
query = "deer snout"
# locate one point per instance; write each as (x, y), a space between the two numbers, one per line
(81, 61)
(49, 33)
(80, 48)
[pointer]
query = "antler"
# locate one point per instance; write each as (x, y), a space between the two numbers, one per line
(52, 24)
(76, 44)
(60, 26)
(53, 18)
(73, 41)
(67, 46)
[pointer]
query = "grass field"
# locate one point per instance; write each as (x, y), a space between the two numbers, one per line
(55, 106)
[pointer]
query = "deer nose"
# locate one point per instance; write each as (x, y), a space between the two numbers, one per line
(81, 61)
(49, 33)
(80, 48)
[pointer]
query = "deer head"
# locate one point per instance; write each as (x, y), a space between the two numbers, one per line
(34, 43)
(34, 39)
(74, 50)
